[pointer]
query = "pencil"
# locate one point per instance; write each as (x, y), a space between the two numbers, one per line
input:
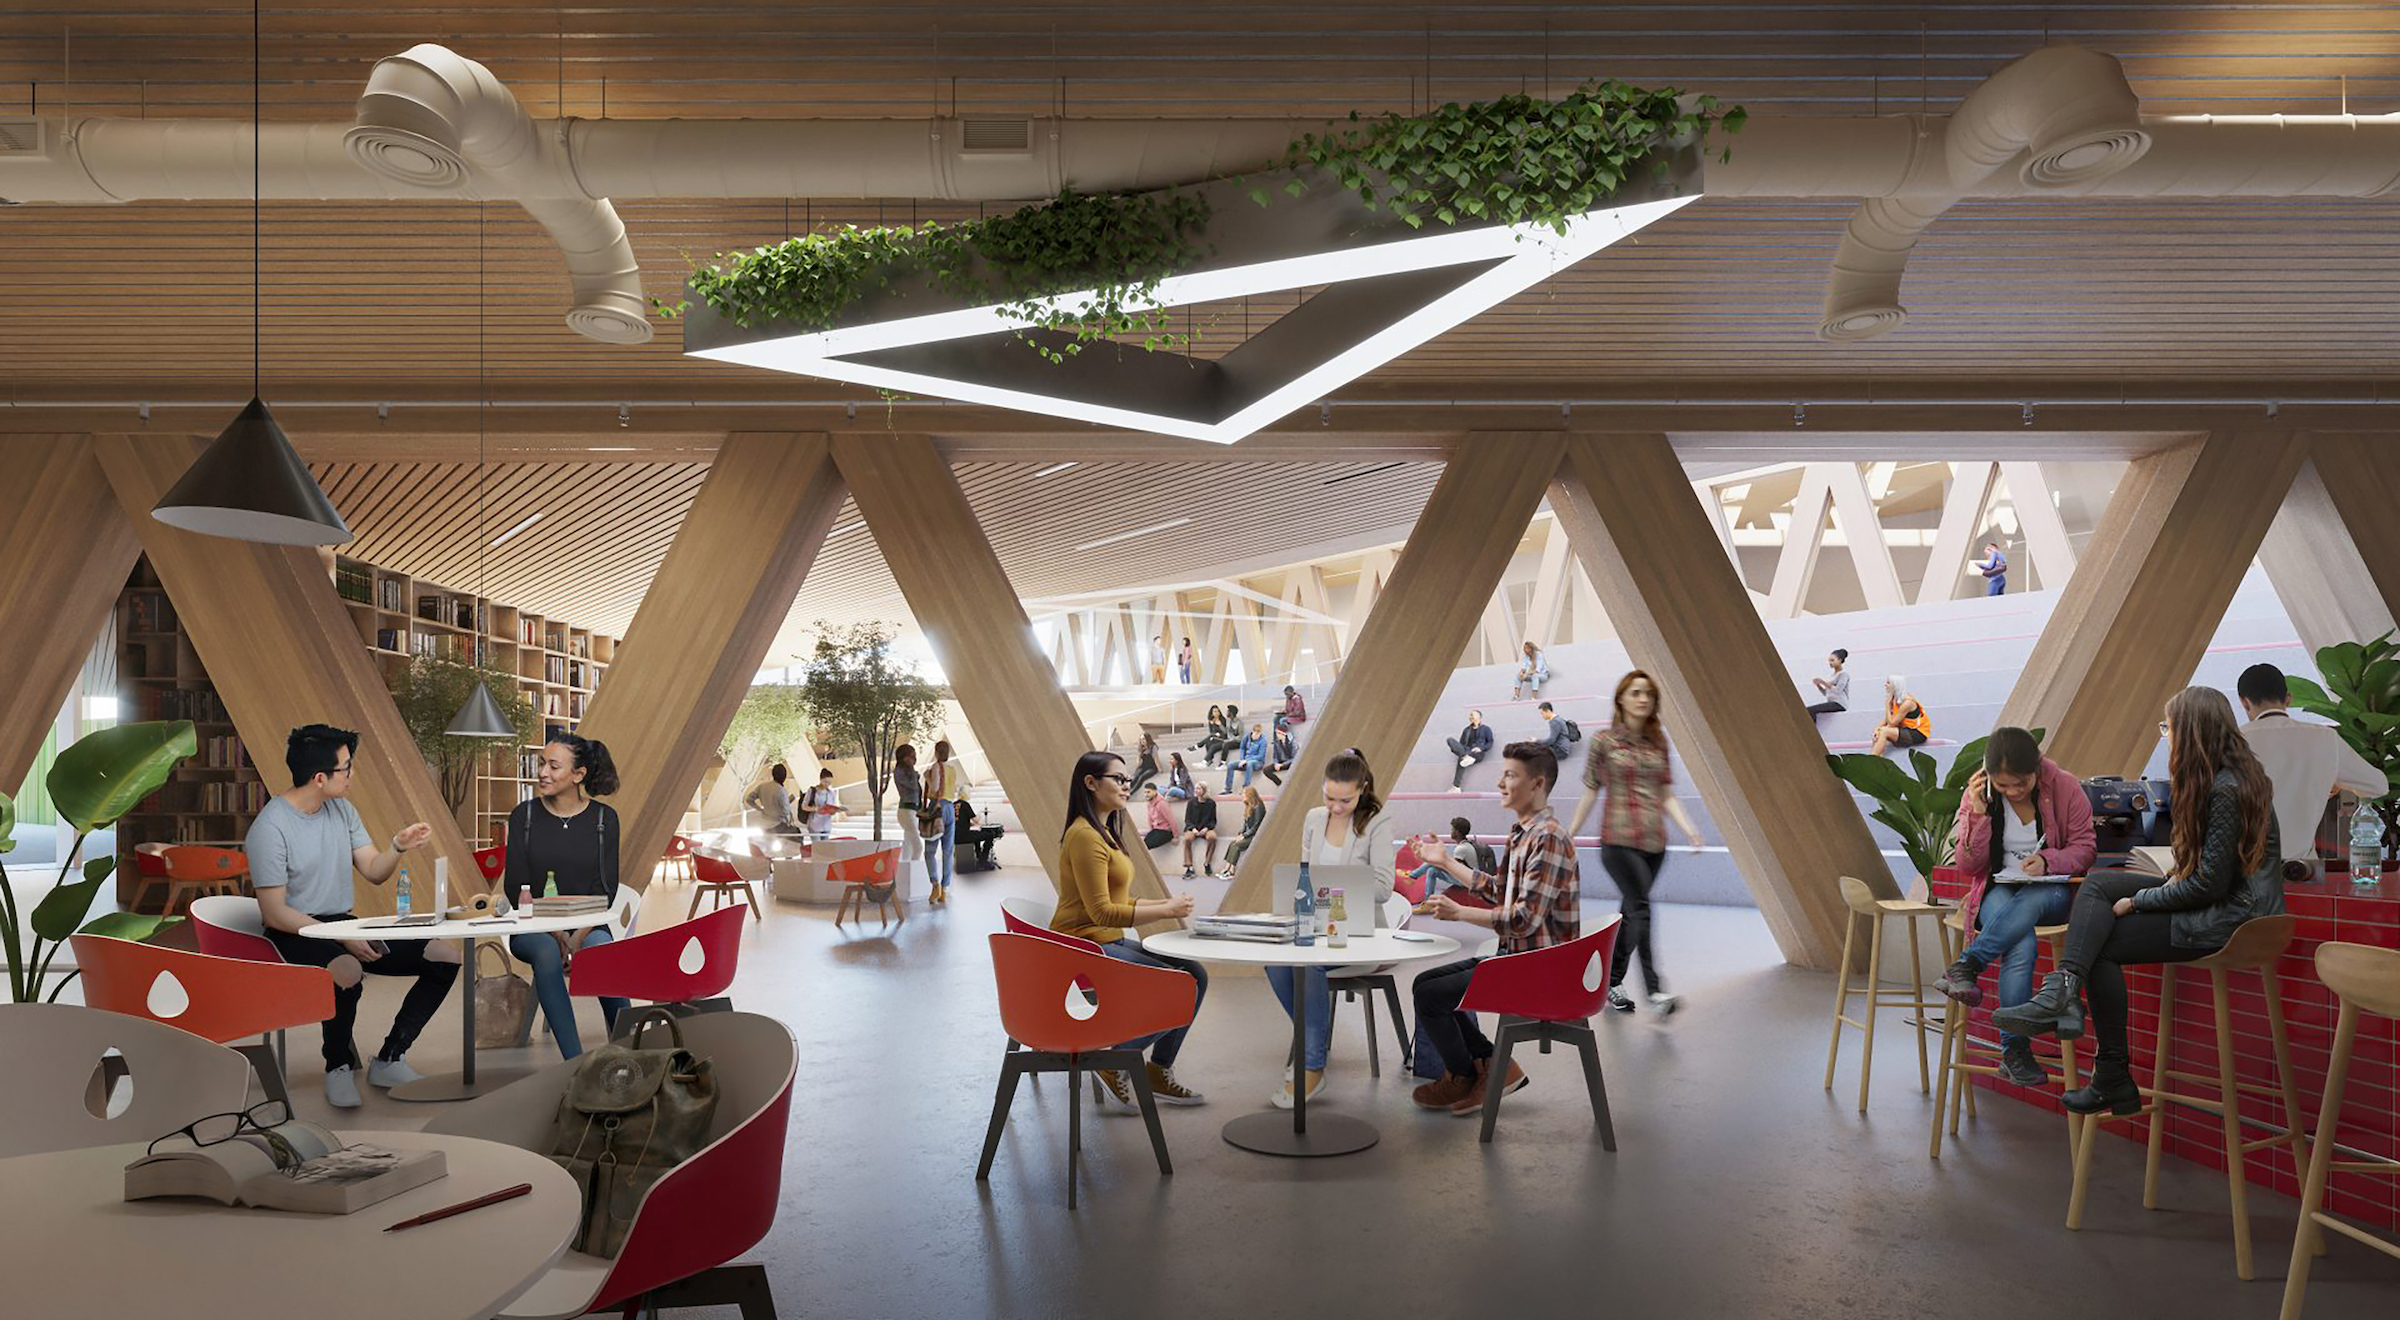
(495, 1198)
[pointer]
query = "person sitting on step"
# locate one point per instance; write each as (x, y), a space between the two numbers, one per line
(1200, 826)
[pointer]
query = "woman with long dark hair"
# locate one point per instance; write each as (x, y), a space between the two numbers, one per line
(2024, 827)
(1096, 902)
(909, 788)
(2228, 870)
(1214, 744)
(1627, 764)
(1146, 767)
(1179, 778)
(1348, 829)
(561, 833)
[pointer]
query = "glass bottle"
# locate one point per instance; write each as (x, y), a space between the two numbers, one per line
(1304, 910)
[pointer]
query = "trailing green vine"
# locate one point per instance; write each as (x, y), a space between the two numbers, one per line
(1517, 160)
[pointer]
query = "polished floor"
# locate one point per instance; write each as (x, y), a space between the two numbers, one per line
(1740, 1188)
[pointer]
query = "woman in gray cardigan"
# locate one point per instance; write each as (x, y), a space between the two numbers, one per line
(1350, 829)
(2228, 870)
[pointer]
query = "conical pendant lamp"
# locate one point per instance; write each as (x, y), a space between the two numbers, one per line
(250, 484)
(481, 717)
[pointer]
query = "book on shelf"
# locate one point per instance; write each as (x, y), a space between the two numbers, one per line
(353, 583)
(387, 639)
(330, 1179)
(390, 594)
(149, 611)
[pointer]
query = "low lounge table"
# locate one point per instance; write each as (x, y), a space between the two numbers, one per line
(1332, 1134)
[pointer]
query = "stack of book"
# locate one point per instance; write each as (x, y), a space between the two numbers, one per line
(568, 905)
(1256, 927)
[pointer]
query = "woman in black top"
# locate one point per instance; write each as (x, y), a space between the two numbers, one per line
(562, 834)
(1146, 769)
(2227, 871)
(1213, 746)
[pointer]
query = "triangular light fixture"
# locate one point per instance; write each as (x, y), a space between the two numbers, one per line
(249, 484)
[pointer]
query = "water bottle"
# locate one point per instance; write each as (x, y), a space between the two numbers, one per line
(403, 909)
(1335, 936)
(1304, 910)
(2366, 846)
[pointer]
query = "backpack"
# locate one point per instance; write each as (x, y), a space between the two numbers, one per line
(1484, 860)
(627, 1117)
(1574, 731)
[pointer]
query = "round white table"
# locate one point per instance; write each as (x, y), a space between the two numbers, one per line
(81, 1249)
(1333, 1134)
(465, 1083)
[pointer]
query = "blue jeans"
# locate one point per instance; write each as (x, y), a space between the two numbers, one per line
(1169, 1043)
(1320, 1011)
(1995, 585)
(1249, 771)
(1433, 876)
(940, 853)
(550, 986)
(2004, 934)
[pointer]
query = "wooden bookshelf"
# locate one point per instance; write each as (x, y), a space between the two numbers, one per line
(213, 796)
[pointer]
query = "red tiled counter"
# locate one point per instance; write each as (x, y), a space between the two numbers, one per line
(2332, 910)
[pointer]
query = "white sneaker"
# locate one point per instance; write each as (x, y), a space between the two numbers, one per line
(388, 1073)
(1664, 1003)
(1282, 1097)
(341, 1088)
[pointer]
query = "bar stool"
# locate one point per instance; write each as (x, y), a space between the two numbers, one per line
(1963, 1056)
(2255, 946)
(2366, 980)
(1865, 905)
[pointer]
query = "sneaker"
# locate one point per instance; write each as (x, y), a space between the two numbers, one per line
(1664, 1004)
(341, 1088)
(1472, 1101)
(1444, 1093)
(1958, 983)
(1282, 1097)
(1619, 1000)
(2018, 1065)
(388, 1073)
(1113, 1087)
(1190, 874)
(1168, 1091)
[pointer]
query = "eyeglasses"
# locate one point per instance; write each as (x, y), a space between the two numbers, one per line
(216, 1129)
(346, 768)
(2162, 728)
(1123, 781)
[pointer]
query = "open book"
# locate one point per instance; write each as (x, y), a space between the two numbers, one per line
(331, 1179)
(2151, 860)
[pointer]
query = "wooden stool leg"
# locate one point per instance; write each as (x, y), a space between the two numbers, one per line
(2309, 1240)
(1866, 1056)
(2158, 1083)
(2229, 1097)
(1841, 995)
(1942, 1075)
(2075, 1122)
(2083, 1171)
(1916, 983)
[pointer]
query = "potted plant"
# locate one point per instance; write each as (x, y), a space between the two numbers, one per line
(1921, 807)
(92, 784)
(864, 701)
(429, 690)
(2361, 695)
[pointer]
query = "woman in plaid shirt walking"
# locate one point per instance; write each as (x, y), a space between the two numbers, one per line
(1627, 763)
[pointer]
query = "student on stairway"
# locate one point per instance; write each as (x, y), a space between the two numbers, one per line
(1145, 766)
(1531, 674)
(2228, 869)
(1834, 692)
(1249, 759)
(1200, 826)
(1254, 814)
(1472, 744)
(1160, 818)
(1905, 723)
(1179, 778)
(1628, 766)
(1220, 739)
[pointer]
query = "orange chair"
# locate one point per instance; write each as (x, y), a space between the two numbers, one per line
(218, 999)
(1066, 1032)
(679, 854)
(858, 875)
(718, 877)
(1547, 995)
(150, 870)
(492, 861)
(194, 870)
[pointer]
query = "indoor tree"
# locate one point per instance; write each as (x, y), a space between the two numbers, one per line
(864, 702)
(771, 718)
(429, 690)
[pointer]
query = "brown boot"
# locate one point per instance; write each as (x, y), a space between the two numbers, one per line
(1472, 1101)
(1442, 1094)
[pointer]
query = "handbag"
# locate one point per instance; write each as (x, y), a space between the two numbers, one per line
(628, 1116)
(503, 1002)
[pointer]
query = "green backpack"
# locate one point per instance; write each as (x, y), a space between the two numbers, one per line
(628, 1116)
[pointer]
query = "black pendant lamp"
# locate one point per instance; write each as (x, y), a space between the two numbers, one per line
(250, 484)
(481, 717)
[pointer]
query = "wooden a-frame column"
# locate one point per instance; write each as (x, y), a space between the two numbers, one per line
(1726, 701)
(2362, 474)
(2152, 586)
(1410, 643)
(65, 550)
(959, 594)
(2312, 558)
(704, 626)
(281, 651)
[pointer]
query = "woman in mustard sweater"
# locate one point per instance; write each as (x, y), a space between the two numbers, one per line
(1095, 902)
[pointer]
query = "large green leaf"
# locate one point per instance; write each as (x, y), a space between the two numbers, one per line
(2341, 664)
(63, 909)
(1924, 766)
(8, 823)
(127, 925)
(2308, 696)
(106, 774)
(1874, 776)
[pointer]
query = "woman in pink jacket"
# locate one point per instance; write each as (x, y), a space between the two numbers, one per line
(2024, 826)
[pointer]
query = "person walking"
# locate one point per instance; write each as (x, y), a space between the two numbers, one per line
(2228, 869)
(1472, 744)
(1628, 766)
(563, 832)
(771, 798)
(1158, 658)
(1994, 567)
(1833, 692)
(1183, 661)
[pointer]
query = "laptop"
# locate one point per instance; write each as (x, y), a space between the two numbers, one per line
(1360, 911)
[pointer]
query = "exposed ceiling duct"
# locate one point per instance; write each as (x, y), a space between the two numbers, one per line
(433, 124)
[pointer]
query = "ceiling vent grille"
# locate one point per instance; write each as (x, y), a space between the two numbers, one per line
(20, 136)
(1011, 136)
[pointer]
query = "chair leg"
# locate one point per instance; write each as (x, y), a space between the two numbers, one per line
(752, 895)
(1951, 1053)
(1374, 1051)
(2158, 1083)
(2229, 1099)
(1074, 1125)
(1497, 1084)
(744, 1287)
(1866, 1055)
(270, 1073)
(1916, 992)
(1011, 1067)
(2309, 1240)
(696, 892)
(1408, 1053)
(1139, 1076)
(1841, 996)
(1594, 1081)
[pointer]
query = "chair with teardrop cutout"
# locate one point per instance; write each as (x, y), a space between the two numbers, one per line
(1547, 995)
(216, 999)
(54, 1101)
(685, 968)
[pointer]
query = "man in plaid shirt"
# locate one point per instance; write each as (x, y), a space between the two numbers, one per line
(1537, 902)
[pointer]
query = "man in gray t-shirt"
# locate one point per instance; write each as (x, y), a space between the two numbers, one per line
(303, 848)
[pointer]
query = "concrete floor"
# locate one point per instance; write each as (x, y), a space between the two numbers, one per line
(1740, 1188)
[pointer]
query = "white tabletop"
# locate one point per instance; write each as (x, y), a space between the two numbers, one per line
(364, 928)
(1384, 946)
(81, 1249)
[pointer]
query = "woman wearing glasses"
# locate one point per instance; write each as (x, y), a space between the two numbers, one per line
(1096, 903)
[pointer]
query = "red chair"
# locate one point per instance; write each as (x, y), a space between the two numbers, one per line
(1024, 916)
(1547, 995)
(150, 871)
(218, 999)
(679, 854)
(719, 877)
(1064, 1032)
(194, 870)
(858, 875)
(492, 861)
(687, 966)
(703, 1213)
(231, 926)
